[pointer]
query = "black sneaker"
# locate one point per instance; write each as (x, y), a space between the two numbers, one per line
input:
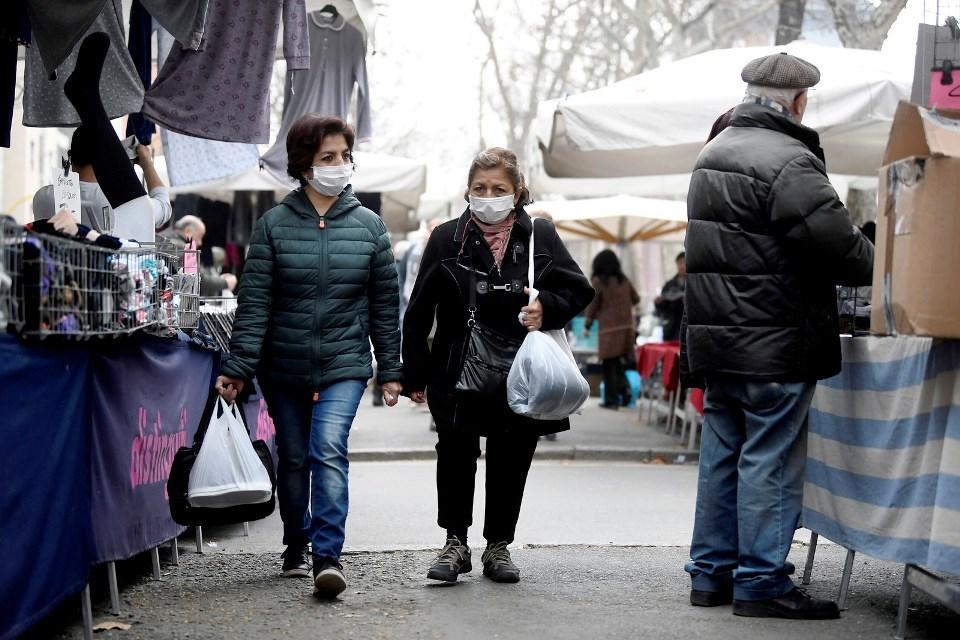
(295, 562)
(794, 605)
(453, 560)
(497, 564)
(700, 598)
(328, 580)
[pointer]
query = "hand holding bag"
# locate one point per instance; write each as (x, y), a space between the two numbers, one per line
(544, 382)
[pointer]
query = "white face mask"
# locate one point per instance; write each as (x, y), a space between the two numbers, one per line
(331, 181)
(491, 210)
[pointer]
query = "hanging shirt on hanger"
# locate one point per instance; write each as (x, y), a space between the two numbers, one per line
(222, 92)
(338, 62)
(44, 103)
(58, 26)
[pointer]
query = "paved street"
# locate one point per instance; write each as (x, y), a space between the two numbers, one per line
(601, 546)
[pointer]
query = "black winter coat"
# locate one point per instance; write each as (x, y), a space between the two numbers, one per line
(767, 242)
(454, 250)
(314, 295)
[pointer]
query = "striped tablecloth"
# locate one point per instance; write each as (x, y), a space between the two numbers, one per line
(883, 456)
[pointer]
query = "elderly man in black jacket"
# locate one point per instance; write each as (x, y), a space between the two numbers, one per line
(767, 243)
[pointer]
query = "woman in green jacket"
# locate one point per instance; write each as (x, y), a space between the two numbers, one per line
(319, 285)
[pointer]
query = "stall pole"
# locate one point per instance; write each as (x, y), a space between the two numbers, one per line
(904, 607)
(811, 554)
(845, 580)
(114, 590)
(199, 532)
(175, 552)
(246, 529)
(86, 611)
(155, 558)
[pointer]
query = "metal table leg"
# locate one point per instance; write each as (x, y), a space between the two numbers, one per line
(904, 607)
(811, 554)
(199, 532)
(246, 529)
(175, 552)
(155, 559)
(86, 612)
(845, 580)
(114, 589)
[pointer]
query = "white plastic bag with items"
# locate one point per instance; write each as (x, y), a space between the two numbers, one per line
(544, 382)
(228, 472)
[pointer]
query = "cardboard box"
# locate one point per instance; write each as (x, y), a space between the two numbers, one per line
(917, 263)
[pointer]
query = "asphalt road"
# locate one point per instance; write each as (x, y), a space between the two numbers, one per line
(601, 547)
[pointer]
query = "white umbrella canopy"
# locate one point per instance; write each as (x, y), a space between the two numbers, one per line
(655, 123)
(618, 219)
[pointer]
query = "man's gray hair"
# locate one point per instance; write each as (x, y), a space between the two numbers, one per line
(781, 96)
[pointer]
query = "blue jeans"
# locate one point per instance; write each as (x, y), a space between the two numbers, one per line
(750, 492)
(313, 467)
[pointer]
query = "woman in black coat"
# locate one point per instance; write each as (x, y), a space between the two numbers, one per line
(484, 251)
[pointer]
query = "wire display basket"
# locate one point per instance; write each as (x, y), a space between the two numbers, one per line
(59, 286)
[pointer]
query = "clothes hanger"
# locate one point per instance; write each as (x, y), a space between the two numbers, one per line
(331, 10)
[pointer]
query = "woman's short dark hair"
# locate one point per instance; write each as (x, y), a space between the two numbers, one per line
(606, 265)
(305, 137)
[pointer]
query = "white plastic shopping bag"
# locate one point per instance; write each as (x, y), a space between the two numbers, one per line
(228, 471)
(544, 381)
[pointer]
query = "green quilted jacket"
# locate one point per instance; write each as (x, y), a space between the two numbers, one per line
(314, 294)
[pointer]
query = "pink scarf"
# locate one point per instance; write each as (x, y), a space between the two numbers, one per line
(497, 235)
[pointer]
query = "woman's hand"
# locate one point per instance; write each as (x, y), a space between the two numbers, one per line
(64, 222)
(419, 396)
(532, 314)
(391, 393)
(228, 388)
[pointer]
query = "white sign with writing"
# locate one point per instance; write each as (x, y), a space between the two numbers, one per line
(66, 192)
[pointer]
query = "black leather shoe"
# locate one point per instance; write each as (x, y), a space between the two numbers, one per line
(295, 562)
(453, 560)
(700, 598)
(794, 605)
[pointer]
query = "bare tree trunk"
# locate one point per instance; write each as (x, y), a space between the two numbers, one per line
(790, 22)
(862, 24)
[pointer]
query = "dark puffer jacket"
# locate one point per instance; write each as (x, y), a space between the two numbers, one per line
(312, 297)
(455, 250)
(767, 242)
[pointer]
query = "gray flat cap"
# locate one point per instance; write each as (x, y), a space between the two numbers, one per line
(781, 70)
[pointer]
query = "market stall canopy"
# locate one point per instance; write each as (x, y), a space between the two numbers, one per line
(400, 181)
(617, 220)
(655, 123)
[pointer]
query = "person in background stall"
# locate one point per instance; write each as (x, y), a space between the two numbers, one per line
(213, 281)
(103, 159)
(767, 241)
(612, 309)
(319, 286)
(96, 212)
(474, 270)
(669, 304)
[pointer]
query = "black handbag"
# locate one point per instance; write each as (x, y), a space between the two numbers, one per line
(487, 354)
(186, 514)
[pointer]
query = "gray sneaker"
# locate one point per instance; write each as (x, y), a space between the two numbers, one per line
(453, 560)
(497, 564)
